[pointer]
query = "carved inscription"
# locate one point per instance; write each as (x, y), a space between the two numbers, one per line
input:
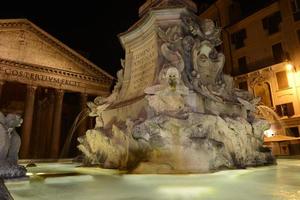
(36, 77)
(143, 67)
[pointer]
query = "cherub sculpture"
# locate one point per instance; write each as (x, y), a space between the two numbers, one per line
(210, 32)
(206, 30)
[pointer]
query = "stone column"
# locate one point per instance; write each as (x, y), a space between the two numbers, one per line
(27, 121)
(83, 125)
(1, 87)
(56, 128)
(47, 140)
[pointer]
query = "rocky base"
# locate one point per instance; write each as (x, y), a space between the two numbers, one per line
(201, 143)
(10, 170)
(185, 143)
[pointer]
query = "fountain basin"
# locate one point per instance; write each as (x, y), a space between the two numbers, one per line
(67, 181)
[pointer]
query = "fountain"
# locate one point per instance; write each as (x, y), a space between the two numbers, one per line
(173, 110)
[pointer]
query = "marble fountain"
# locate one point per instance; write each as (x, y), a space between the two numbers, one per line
(174, 127)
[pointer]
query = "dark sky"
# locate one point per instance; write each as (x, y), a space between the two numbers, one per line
(85, 26)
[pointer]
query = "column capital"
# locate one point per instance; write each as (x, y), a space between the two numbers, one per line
(2, 82)
(59, 93)
(31, 89)
(84, 95)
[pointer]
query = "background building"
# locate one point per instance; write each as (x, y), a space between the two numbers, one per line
(47, 83)
(262, 52)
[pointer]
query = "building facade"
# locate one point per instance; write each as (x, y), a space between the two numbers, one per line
(47, 83)
(263, 54)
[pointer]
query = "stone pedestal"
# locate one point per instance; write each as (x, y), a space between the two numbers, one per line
(55, 145)
(27, 123)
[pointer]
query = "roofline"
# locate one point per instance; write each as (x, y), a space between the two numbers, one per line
(25, 23)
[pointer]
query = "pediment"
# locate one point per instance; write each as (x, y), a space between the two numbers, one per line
(22, 41)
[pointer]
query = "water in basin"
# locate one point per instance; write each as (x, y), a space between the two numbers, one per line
(66, 181)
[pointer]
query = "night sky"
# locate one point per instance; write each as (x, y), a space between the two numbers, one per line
(87, 27)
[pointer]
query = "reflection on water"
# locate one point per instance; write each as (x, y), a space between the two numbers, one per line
(280, 182)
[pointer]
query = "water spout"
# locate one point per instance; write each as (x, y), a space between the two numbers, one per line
(78, 120)
(270, 115)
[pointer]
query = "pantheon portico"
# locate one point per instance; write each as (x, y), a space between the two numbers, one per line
(47, 83)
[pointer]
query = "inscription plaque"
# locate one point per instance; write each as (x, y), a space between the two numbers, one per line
(142, 68)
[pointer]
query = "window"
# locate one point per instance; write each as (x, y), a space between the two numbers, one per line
(263, 90)
(282, 80)
(237, 38)
(278, 53)
(285, 110)
(243, 85)
(292, 131)
(242, 62)
(296, 9)
(271, 23)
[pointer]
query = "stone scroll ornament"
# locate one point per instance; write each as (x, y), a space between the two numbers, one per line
(196, 120)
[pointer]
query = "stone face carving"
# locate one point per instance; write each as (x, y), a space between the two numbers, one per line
(196, 120)
(168, 97)
(10, 143)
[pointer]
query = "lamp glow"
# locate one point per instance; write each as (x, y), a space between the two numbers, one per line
(289, 67)
(269, 133)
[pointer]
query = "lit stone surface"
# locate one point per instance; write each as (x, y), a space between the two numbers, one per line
(193, 119)
(279, 182)
(173, 110)
(31, 56)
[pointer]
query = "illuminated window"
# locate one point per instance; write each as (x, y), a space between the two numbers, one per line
(282, 80)
(286, 109)
(263, 90)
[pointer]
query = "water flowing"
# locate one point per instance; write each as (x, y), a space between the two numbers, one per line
(78, 120)
(270, 115)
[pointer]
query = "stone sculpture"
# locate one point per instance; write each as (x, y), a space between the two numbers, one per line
(196, 120)
(10, 143)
